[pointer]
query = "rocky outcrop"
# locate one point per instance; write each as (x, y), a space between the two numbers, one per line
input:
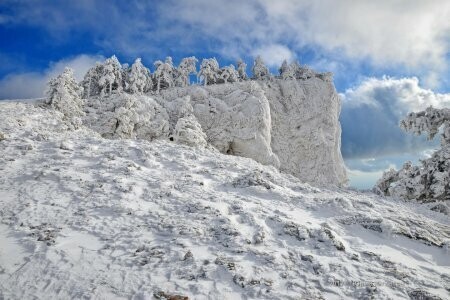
(290, 124)
(306, 133)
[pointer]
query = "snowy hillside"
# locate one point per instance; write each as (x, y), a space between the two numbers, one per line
(82, 216)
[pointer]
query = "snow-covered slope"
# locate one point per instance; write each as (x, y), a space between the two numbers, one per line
(82, 216)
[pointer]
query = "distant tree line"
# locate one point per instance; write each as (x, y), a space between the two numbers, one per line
(109, 76)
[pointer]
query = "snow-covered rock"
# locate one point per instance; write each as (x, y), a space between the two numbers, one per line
(290, 124)
(306, 133)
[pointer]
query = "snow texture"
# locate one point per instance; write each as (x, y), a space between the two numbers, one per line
(82, 216)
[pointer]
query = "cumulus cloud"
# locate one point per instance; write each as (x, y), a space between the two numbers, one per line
(371, 113)
(413, 34)
(32, 84)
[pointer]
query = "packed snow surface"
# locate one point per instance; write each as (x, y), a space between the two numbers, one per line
(82, 216)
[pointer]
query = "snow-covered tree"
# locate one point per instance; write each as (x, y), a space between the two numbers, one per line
(64, 94)
(111, 76)
(91, 80)
(305, 72)
(209, 71)
(228, 74)
(242, 70)
(429, 121)
(259, 69)
(430, 181)
(138, 78)
(284, 67)
(290, 71)
(164, 74)
(185, 68)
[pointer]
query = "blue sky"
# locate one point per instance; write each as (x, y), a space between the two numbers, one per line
(388, 57)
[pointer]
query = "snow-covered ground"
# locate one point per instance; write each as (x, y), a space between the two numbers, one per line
(86, 217)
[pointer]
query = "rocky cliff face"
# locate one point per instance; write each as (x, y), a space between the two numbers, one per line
(306, 133)
(290, 124)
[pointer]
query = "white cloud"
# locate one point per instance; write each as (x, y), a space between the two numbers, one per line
(399, 96)
(274, 54)
(371, 113)
(414, 34)
(32, 84)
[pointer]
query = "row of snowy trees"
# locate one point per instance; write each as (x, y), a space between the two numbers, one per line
(109, 76)
(431, 180)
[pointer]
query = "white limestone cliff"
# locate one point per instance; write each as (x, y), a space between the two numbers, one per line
(290, 124)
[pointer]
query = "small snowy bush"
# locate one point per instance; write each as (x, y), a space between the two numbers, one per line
(188, 131)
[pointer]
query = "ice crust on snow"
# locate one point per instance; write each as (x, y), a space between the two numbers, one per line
(82, 216)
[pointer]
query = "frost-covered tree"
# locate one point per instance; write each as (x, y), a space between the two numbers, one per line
(431, 180)
(164, 74)
(284, 67)
(429, 121)
(259, 69)
(91, 80)
(305, 72)
(138, 78)
(209, 71)
(185, 68)
(64, 94)
(228, 74)
(111, 76)
(290, 71)
(242, 70)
